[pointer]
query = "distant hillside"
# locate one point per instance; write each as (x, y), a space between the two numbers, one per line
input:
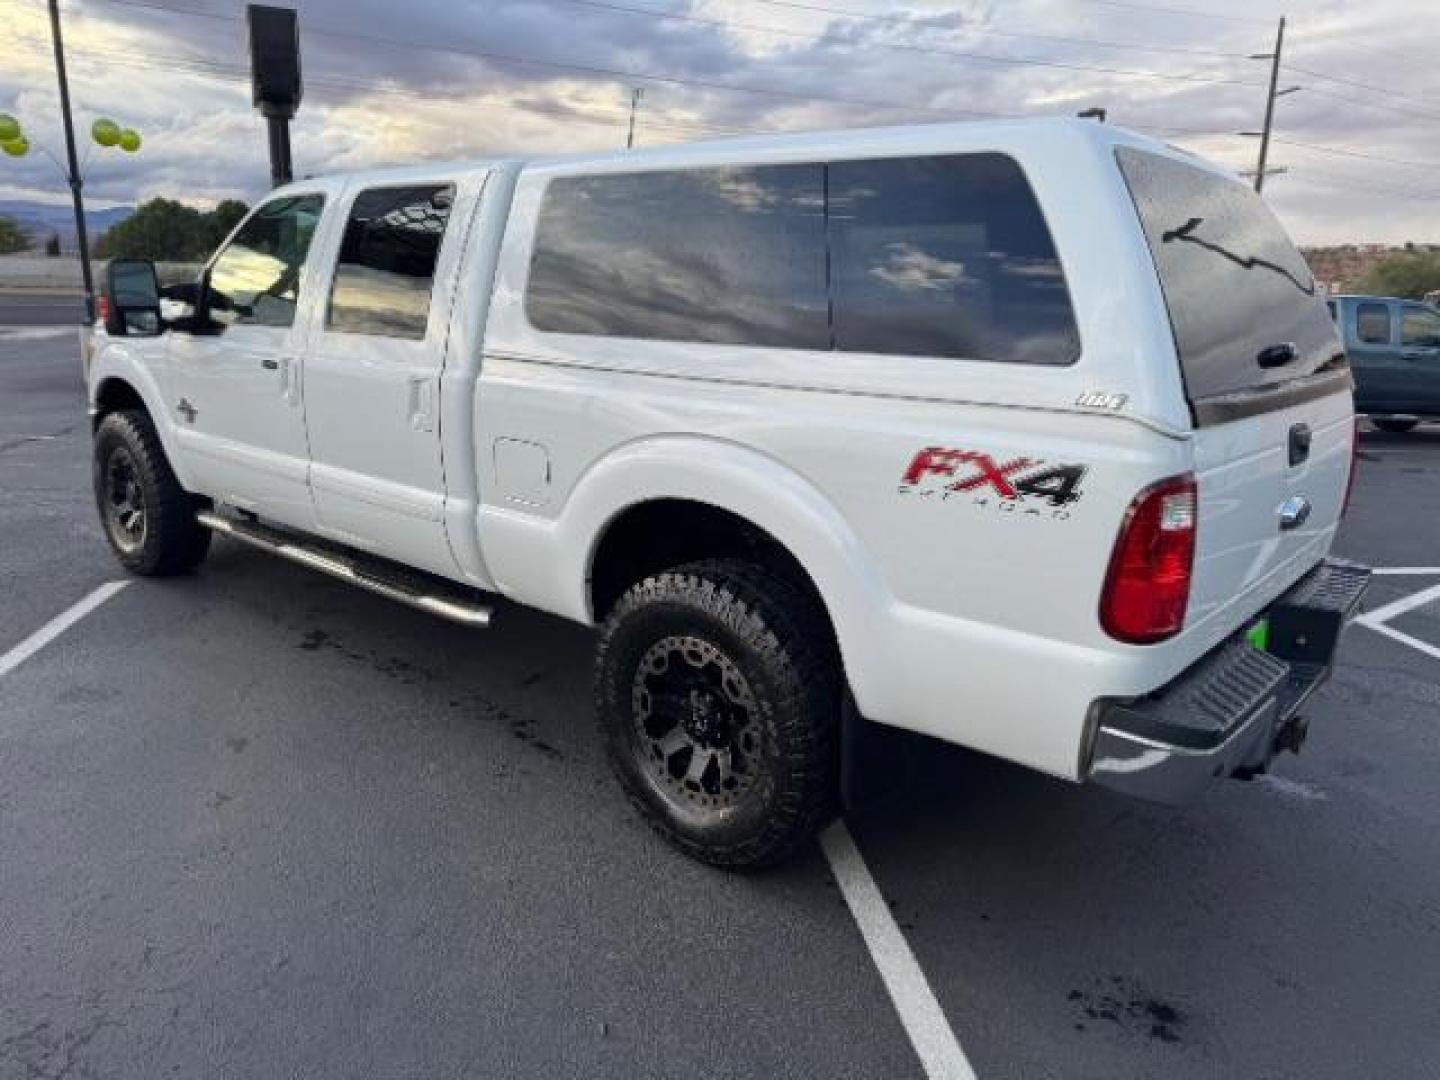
(43, 220)
(1339, 268)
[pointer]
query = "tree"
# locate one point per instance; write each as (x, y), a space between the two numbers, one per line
(12, 237)
(52, 246)
(1410, 274)
(222, 219)
(168, 231)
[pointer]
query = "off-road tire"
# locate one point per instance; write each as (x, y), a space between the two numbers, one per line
(1395, 427)
(168, 541)
(774, 642)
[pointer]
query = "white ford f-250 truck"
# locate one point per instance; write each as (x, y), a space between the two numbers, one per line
(1032, 437)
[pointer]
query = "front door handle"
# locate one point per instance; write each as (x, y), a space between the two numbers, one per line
(269, 363)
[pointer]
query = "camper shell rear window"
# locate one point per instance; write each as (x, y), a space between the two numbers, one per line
(1234, 284)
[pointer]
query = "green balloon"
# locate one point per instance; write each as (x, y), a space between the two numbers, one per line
(129, 140)
(17, 147)
(9, 128)
(105, 132)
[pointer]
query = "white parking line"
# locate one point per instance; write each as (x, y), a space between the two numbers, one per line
(1402, 637)
(57, 626)
(914, 1001)
(1413, 570)
(1399, 607)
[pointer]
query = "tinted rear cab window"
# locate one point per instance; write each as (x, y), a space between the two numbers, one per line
(942, 256)
(1233, 282)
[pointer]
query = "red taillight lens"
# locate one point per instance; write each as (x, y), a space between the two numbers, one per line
(1354, 464)
(102, 308)
(1148, 586)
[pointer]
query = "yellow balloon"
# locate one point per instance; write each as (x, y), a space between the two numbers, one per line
(9, 128)
(17, 147)
(129, 140)
(105, 132)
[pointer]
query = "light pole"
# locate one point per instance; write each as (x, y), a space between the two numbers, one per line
(635, 96)
(72, 176)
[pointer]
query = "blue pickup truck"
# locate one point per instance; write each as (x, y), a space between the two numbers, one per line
(1394, 350)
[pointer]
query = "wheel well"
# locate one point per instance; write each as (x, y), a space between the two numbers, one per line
(662, 533)
(115, 395)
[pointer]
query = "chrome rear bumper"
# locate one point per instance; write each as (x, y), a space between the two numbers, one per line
(1233, 710)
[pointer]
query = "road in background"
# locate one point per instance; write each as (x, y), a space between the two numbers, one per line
(41, 307)
(254, 822)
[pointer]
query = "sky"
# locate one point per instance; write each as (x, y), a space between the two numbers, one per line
(408, 80)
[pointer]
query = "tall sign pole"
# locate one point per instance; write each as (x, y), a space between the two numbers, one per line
(1270, 106)
(275, 79)
(72, 165)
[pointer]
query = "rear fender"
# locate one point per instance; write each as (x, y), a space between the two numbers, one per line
(547, 563)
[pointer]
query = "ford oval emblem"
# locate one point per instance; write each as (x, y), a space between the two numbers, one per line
(1294, 512)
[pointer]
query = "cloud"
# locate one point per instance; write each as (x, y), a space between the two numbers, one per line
(388, 82)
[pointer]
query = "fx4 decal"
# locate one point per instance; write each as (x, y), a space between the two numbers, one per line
(1020, 484)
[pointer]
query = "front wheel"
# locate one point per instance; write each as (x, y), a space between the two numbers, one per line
(1395, 427)
(718, 694)
(149, 519)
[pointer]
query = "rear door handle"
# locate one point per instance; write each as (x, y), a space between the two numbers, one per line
(421, 403)
(269, 363)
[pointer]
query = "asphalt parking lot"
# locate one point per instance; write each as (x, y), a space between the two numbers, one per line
(255, 823)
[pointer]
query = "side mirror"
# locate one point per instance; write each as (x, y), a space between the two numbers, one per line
(130, 306)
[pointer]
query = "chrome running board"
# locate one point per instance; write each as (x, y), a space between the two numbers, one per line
(384, 579)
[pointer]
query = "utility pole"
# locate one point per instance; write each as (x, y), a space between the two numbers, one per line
(635, 95)
(1269, 104)
(73, 168)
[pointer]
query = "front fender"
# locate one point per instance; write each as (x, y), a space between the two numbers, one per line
(121, 361)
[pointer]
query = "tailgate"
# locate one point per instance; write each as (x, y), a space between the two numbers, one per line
(1263, 521)
(1265, 376)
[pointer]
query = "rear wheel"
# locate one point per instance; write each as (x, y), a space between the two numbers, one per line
(718, 698)
(149, 519)
(1395, 427)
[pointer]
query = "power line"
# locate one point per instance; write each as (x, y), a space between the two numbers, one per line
(593, 69)
(1191, 12)
(1341, 151)
(611, 5)
(1337, 182)
(908, 23)
(1364, 104)
(1371, 87)
(960, 54)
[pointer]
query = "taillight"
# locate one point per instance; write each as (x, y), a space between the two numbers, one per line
(102, 309)
(1354, 464)
(1148, 584)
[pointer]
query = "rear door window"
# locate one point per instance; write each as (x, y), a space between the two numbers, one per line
(1234, 283)
(1372, 324)
(386, 266)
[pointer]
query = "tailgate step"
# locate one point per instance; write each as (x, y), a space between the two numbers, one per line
(1306, 622)
(420, 590)
(1225, 690)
